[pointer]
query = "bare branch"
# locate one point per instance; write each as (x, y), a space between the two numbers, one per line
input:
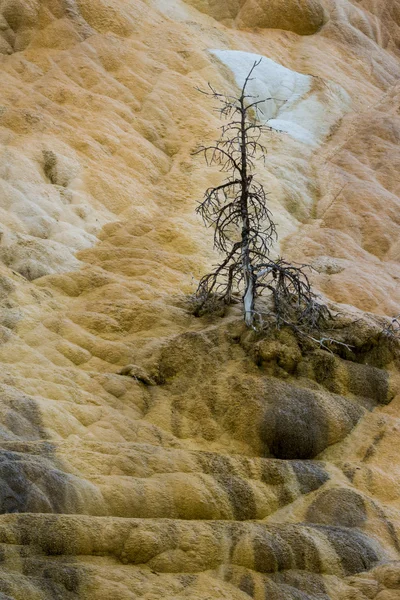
(244, 231)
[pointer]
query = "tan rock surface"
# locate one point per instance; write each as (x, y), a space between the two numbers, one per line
(253, 467)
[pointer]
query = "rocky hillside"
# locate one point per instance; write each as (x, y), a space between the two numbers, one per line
(146, 453)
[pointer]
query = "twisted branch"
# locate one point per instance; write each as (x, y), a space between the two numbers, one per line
(244, 230)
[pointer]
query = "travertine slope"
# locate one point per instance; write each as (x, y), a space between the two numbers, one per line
(146, 453)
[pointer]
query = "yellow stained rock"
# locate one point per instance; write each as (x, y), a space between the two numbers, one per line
(145, 453)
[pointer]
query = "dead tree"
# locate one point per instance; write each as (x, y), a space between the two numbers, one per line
(244, 230)
(237, 208)
(392, 330)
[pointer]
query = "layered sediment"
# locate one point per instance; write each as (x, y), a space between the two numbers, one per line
(146, 453)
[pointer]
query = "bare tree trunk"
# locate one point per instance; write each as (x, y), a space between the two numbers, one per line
(248, 276)
(248, 298)
(247, 269)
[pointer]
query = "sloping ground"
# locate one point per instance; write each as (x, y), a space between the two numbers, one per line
(146, 453)
(161, 484)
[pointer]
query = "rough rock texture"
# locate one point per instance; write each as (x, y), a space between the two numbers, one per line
(145, 453)
(302, 17)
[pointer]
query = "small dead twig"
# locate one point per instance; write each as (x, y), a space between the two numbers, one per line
(392, 329)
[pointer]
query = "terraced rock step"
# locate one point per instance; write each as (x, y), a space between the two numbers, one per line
(171, 517)
(138, 480)
(66, 556)
(224, 550)
(154, 506)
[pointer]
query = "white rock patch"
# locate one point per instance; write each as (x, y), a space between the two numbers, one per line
(301, 105)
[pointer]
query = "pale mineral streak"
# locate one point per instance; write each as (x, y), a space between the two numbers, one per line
(145, 453)
(296, 104)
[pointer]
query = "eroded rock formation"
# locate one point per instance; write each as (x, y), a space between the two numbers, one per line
(145, 453)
